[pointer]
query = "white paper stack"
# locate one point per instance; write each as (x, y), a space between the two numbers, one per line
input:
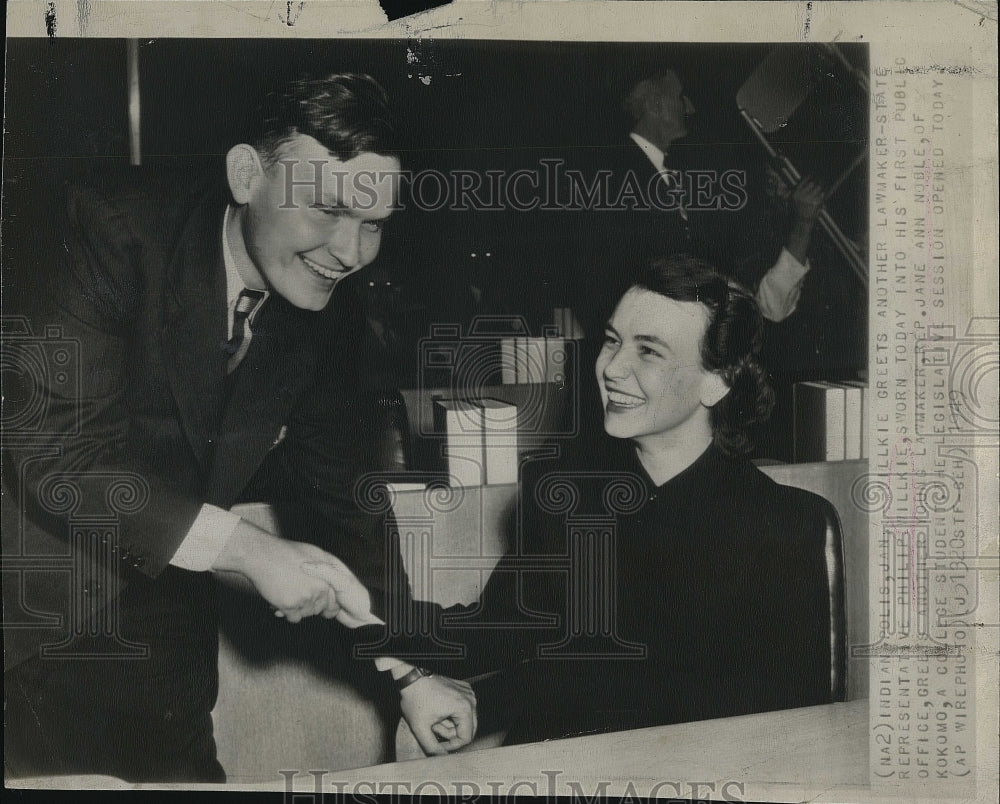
(461, 423)
(508, 361)
(865, 421)
(852, 421)
(862, 387)
(529, 359)
(566, 324)
(819, 421)
(559, 320)
(499, 441)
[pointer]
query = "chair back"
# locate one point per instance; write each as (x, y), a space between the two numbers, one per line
(847, 559)
(834, 552)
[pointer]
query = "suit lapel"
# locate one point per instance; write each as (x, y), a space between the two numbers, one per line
(276, 369)
(194, 325)
(667, 231)
(638, 162)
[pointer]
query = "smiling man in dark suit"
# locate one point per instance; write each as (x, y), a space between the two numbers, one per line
(196, 307)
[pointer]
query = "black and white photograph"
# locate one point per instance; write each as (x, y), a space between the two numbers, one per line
(460, 415)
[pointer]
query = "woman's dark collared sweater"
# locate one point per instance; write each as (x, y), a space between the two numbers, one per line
(704, 597)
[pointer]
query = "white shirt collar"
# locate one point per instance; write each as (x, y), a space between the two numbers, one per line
(234, 282)
(653, 154)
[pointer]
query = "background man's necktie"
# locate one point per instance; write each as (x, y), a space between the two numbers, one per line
(675, 180)
(246, 303)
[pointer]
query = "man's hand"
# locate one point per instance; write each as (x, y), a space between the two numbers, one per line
(441, 712)
(353, 599)
(807, 203)
(275, 566)
(807, 200)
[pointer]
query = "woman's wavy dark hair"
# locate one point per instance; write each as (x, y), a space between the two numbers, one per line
(730, 347)
(348, 113)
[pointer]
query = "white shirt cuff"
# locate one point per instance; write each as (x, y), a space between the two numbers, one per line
(204, 542)
(385, 663)
(779, 290)
(397, 667)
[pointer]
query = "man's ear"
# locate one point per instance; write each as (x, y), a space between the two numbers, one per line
(651, 104)
(657, 104)
(243, 171)
(713, 389)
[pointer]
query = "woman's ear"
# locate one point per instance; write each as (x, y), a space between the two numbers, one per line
(713, 389)
(243, 171)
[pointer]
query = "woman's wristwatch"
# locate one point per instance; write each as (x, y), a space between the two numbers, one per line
(414, 675)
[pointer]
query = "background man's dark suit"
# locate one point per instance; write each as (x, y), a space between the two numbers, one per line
(601, 245)
(137, 280)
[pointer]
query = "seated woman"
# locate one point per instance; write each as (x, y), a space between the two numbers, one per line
(657, 577)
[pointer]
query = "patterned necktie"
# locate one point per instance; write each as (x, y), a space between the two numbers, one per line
(246, 303)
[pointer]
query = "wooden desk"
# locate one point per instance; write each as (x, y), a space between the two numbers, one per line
(793, 755)
(816, 753)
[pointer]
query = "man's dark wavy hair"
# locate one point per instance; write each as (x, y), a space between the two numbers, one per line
(348, 113)
(730, 347)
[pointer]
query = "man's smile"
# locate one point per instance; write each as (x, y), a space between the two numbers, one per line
(322, 270)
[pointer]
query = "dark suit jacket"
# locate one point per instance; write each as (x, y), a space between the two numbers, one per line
(710, 599)
(147, 428)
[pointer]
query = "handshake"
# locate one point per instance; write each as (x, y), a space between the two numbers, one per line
(301, 580)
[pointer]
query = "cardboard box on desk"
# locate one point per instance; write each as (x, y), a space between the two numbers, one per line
(499, 441)
(820, 425)
(856, 420)
(529, 356)
(461, 423)
(480, 440)
(830, 421)
(546, 413)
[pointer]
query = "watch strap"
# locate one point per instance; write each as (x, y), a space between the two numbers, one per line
(413, 676)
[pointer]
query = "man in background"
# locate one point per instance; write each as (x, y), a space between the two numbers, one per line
(666, 200)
